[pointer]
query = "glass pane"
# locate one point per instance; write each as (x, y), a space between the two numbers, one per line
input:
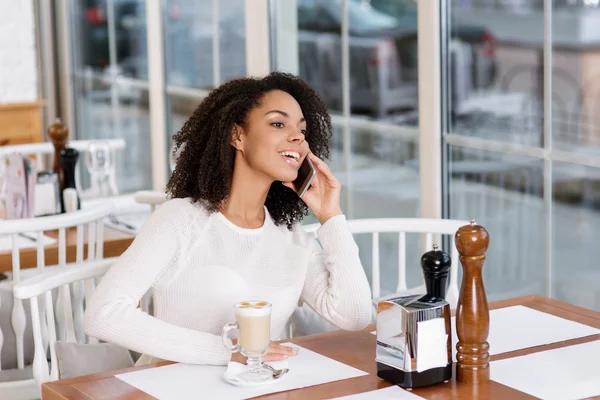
(382, 54)
(108, 103)
(189, 35)
(92, 29)
(503, 193)
(319, 49)
(189, 54)
(380, 177)
(383, 179)
(576, 67)
(576, 219)
(131, 33)
(496, 71)
(97, 119)
(232, 40)
(90, 34)
(384, 60)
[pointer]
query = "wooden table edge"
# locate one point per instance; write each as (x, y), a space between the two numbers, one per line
(55, 388)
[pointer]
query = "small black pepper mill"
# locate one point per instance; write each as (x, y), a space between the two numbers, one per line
(435, 264)
(68, 162)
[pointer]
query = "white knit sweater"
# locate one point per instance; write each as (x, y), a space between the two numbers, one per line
(199, 265)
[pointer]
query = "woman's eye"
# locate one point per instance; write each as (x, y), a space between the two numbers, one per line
(277, 124)
(303, 131)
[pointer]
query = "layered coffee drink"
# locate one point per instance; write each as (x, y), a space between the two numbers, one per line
(254, 327)
(253, 323)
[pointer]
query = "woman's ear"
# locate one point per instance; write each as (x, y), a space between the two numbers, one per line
(237, 137)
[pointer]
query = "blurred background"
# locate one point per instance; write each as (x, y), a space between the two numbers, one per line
(534, 185)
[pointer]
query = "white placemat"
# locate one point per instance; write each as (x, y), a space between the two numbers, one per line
(184, 381)
(567, 373)
(389, 393)
(520, 327)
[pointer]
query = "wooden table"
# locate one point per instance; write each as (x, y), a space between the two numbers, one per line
(352, 348)
(115, 243)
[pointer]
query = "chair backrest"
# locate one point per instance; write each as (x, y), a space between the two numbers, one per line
(402, 226)
(103, 182)
(73, 225)
(39, 291)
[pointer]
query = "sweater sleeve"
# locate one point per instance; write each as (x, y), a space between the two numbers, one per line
(336, 286)
(113, 315)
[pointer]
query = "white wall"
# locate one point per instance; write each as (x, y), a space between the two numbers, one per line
(18, 62)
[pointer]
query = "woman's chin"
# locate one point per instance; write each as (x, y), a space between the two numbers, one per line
(290, 177)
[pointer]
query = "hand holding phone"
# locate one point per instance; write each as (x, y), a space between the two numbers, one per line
(323, 198)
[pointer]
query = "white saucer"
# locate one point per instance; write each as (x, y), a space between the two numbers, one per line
(239, 383)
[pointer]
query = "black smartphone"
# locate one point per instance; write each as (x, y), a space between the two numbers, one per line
(306, 174)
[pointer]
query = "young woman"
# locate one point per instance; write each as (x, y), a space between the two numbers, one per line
(231, 231)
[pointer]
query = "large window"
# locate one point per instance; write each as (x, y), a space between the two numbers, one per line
(517, 93)
(523, 142)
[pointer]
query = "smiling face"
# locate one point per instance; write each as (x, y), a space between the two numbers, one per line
(272, 142)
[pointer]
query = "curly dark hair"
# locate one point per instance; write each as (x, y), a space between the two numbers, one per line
(205, 160)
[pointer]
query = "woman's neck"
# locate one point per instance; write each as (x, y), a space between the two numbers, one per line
(245, 204)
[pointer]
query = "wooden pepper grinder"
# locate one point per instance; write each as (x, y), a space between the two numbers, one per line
(472, 313)
(59, 134)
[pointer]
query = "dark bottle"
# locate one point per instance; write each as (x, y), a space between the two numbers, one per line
(68, 162)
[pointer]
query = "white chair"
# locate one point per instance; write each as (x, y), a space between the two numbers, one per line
(39, 291)
(306, 321)
(153, 198)
(89, 225)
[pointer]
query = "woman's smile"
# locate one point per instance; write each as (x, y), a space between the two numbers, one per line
(291, 157)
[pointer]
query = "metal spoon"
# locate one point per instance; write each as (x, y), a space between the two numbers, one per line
(277, 373)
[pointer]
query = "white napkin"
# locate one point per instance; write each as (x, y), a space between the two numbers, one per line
(432, 344)
(234, 369)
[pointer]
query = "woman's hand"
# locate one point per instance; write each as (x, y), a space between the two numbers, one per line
(323, 197)
(276, 352)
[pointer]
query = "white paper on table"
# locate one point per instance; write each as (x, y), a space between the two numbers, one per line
(24, 242)
(432, 344)
(389, 393)
(125, 222)
(185, 381)
(567, 373)
(520, 327)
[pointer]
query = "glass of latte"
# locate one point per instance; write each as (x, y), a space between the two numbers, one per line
(253, 322)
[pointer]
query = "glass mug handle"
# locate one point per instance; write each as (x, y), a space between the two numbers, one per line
(225, 337)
